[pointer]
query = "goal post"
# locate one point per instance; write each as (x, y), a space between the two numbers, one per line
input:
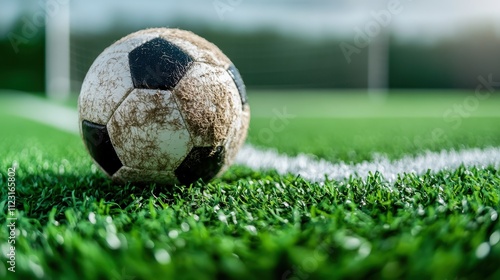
(57, 49)
(378, 65)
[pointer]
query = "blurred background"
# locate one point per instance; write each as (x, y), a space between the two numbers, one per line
(48, 45)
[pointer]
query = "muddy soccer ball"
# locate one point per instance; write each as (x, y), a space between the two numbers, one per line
(163, 106)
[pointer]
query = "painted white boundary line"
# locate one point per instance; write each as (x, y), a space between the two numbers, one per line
(317, 170)
(42, 111)
(307, 166)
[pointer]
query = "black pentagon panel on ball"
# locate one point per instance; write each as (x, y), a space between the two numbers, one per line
(201, 162)
(99, 144)
(158, 64)
(238, 80)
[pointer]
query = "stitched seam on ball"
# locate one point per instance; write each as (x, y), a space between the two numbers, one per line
(119, 104)
(112, 115)
(179, 107)
(169, 173)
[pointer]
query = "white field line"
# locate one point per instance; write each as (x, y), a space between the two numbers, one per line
(318, 170)
(42, 111)
(307, 166)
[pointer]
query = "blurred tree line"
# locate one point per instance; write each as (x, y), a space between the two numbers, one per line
(270, 60)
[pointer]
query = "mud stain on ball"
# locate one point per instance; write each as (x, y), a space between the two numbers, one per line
(148, 131)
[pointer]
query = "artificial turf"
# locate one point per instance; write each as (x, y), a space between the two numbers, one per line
(73, 223)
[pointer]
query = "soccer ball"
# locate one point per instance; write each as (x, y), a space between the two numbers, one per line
(163, 106)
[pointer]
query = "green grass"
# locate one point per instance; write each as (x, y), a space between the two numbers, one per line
(352, 126)
(358, 139)
(74, 223)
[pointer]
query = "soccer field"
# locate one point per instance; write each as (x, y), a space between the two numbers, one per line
(256, 222)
